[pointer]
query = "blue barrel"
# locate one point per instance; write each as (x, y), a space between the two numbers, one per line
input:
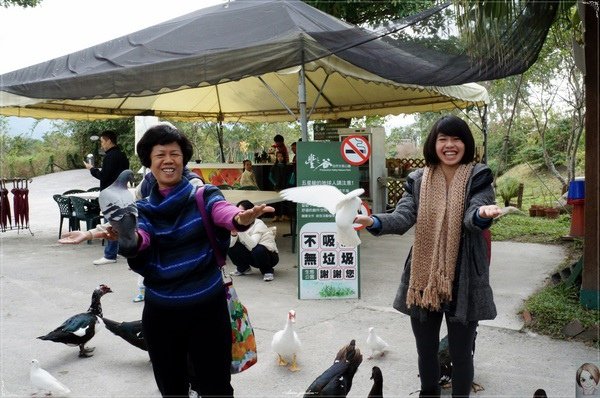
(576, 190)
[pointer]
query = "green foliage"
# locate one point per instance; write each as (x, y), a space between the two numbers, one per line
(554, 307)
(20, 3)
(81, 131)
(370, 12)
(522, 228)
(508, 188)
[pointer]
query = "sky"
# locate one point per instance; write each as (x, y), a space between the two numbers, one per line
(58, 27)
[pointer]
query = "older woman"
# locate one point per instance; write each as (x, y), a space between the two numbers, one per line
(185, 318)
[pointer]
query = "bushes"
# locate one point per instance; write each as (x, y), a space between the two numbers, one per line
(508, 188)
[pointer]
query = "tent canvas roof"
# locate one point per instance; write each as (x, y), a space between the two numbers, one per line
(233, 62)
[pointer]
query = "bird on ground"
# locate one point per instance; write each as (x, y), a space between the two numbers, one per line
(345, 207)
(540, 393)
(287, 344)
(376, 343)
(336, 381)
(44, 381)
(131, 332)
(119, 208)
(377, 389)
(80, 328)
(446, 365)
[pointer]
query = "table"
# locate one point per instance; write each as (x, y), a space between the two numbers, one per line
(231, 195)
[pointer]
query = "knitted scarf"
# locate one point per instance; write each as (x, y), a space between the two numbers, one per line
(437, 237)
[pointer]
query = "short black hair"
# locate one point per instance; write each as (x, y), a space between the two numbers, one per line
(246, 204)
(454, 127)
(278, 138)
(163, 134)
(111, 135)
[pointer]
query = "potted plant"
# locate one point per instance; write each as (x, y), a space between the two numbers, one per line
(508, 188)
(552, 212)
(533, 210)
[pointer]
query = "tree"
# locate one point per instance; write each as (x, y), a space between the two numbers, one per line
(20, 3)
(370, 12)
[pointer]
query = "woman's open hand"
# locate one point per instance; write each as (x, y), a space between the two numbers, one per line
(247, 217)
(366, 221)
(74, 237)
(489, 211)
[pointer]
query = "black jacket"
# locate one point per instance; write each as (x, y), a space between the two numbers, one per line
(114, 163)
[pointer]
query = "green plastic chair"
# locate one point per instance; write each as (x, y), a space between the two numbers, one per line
(86, 210)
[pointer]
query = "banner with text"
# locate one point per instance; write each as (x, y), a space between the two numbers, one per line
(327, 270)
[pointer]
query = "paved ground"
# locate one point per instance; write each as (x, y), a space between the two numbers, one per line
(43, 283)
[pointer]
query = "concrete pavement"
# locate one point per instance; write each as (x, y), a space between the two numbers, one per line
(43, 283)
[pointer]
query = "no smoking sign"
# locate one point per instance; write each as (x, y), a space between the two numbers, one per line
(355, 150)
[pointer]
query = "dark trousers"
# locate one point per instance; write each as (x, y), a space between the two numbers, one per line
(460, 341)
(260, 257)
(190, 345)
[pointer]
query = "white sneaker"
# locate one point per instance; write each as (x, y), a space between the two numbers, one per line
(104, 260)
(268, 277)
(244, 272)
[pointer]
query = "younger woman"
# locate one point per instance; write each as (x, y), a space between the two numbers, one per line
(451, 202)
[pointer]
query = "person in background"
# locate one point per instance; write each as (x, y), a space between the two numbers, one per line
(293, 147)
(113, 164)
(255, 247)
(450, 202)
(248, 179)
(279, 176)
(279, 145)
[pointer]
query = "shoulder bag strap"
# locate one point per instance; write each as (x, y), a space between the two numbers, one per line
(208, 227)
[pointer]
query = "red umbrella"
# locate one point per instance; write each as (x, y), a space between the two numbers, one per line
(21, 203)
(5, 217)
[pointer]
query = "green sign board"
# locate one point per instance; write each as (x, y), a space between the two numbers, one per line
(327, 270)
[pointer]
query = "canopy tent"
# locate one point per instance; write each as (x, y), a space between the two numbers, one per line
(259, 60)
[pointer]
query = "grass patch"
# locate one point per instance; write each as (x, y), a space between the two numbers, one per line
(335, 291)
(555, 306)
(522, 228)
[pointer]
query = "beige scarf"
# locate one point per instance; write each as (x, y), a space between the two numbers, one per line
(437, 237)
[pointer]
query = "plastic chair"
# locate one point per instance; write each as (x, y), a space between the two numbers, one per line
(94, 189)
(86, 210)
(224, 186)
(73, 191)
(66, 211)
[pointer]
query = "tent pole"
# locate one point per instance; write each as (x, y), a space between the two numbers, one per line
(302, 103)
(484, 128)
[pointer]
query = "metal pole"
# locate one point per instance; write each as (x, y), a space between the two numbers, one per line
(302, 103)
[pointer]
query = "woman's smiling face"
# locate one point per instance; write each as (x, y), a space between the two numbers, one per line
(449, 149)
(167, 164)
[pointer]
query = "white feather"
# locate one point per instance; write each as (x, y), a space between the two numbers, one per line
(345, 207)
(376, 343)
(42, 380)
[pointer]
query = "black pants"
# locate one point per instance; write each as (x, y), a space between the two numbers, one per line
(260, 257)
(190, 345)
(460, 341)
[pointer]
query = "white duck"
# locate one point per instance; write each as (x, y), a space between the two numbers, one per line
(286, 343)
(44, 381)
(376, 343)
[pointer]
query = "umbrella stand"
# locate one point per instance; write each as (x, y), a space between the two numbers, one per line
(20, 208)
